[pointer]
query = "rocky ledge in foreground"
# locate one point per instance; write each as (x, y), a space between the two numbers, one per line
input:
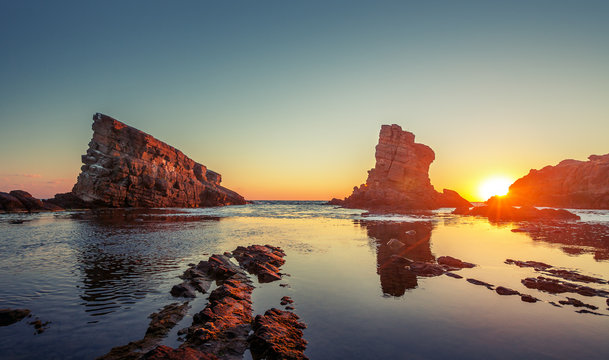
(498, 209)
(125, 167)
(569, 184)
(222, 329)
(399, 180)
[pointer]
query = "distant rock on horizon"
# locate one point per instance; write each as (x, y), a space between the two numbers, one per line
(400, 177)
(569, 184)
(125, 167)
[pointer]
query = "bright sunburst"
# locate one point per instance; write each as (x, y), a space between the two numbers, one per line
(496, 185)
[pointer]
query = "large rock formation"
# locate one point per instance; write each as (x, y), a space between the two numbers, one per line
(400, 178)
(570, 184)
(125, 167)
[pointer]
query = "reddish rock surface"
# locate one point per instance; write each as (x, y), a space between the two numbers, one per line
(163, 352)
(400, 178)
(263, 261)
(278, 336)
(125, 167)
(570, 184)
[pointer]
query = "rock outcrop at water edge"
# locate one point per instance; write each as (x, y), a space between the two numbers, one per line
(125, 167)
(499, 209)
(570, 184)
(22, 201)
(400, 179)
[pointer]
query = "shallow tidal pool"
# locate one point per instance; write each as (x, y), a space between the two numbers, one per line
(96, 276)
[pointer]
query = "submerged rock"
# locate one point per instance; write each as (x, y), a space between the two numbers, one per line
(577, 303)
(160, 325)
(11, 316)
(399, 180)
(534, 264)
(286, 300)
(481, 283)
(528, 298)
(506, 291)
(554, 286)
(454, 262)
(125, 167)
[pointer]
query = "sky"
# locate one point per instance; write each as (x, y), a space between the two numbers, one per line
(286, 98)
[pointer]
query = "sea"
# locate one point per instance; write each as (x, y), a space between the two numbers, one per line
(94, 277)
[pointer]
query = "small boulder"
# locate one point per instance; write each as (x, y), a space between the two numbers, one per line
(505, 291)
(454, 262)
(11, 316)
(528, 298)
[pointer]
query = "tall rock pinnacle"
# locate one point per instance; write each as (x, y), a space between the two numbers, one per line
(400, 178)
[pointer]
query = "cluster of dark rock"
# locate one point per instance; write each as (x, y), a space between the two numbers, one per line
(225, 328)
(556, 286)
(22, 201)
(404, 255)
(12, 316)
(501, 209)
(574, 238)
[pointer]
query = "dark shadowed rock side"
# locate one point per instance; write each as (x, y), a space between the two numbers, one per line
(570, 184)
(500, 209)
(22, 201)
(400, 178)
(125, 167)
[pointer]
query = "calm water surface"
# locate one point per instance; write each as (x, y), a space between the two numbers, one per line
(97, 276)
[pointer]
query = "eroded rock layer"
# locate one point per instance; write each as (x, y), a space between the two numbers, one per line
(125, 167)
(570, 184)
(400, 178)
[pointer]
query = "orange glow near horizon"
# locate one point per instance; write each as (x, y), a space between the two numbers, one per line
(495, 185)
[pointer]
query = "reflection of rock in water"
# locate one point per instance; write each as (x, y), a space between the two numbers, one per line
(125, 254)
(577, 238)
(395, 240)
(121, 217)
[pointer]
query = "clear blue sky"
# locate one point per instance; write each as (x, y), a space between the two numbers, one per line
(285, 99)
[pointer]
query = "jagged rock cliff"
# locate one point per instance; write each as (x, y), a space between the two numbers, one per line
(400, 178)
(570, 184)
(125, 167)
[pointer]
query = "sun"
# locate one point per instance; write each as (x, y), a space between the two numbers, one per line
(496, 185)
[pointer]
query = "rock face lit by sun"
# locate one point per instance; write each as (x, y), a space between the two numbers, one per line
(494, 186)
